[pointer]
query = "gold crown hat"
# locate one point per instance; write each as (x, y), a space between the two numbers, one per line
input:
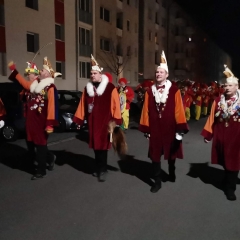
(163, 62)
(95, 65)
(31, 68)
(230, 78)
(48, 66)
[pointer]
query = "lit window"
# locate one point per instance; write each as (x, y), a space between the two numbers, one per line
(189, 39)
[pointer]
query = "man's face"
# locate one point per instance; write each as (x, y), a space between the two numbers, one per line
(44, 74)
(122, 84)
(96, 76)
(161, 75)
(230, 89)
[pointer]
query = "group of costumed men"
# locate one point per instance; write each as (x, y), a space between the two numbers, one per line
(162, 121)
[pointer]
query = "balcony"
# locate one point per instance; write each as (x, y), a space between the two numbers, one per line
(85, 17)
(119, 32)
(85, 50)
(119, 4)
(120, 59)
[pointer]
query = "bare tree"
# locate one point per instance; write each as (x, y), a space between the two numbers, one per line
(114, 59)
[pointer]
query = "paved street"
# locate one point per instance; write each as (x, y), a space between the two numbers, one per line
(70, 204)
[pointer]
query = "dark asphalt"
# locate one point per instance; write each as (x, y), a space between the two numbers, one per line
(70, 204)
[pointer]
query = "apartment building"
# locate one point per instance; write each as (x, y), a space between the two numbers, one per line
(126, 37)
(31, 27)
(116, 27)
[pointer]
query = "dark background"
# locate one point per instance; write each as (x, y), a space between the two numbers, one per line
(221, 21)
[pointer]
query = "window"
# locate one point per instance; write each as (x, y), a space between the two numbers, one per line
(156, 38)
(156, 18)
(150, 36)
(84, 70)
(3, 64)
(59, 32)
(60, 67)
(164, 3)
(157, 59)
(32, 42)
(84, 5)
(33, 4)
(84, 36)
(119, 50)
(149, 14)
(164, 23)
(129, 51)
(105, 44)
(128, 2)
(128, 25)
(104, 14)
(2, 18)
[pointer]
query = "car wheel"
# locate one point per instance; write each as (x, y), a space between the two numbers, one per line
(9, 133)
(62, 124)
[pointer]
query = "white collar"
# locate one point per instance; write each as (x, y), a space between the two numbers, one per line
(161, 97)
(100, 89)
(37, 87)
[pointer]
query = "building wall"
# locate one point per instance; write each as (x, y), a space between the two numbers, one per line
(118, 36)
(197, 59)
(41, 22)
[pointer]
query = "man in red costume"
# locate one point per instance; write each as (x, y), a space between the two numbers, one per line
(99, 105)
(126, 97)
(163, 122)
(223, 126)
(41, 113)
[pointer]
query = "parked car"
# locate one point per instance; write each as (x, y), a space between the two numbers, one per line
(14, 119)
(68, 103)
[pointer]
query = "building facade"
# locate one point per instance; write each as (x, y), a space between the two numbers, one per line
(126, 37)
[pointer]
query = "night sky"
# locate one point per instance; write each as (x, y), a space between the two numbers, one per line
(221, 21)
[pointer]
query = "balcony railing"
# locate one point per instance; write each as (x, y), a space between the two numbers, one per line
(119, 32)
(85, 50)
(85, 17)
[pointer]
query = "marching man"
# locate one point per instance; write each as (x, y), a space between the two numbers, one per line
(99, 105)
(163, 122)
(126, 95)
(223, 127)
(41, 112)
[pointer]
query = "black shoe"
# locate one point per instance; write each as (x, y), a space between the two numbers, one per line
(38, 176)
(102, 176)
(52, 164)
(157, 185)
(230, 195)
(172, 175)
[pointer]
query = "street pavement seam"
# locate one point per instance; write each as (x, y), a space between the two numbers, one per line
(61, 141)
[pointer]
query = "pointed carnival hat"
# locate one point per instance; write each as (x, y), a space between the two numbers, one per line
(48, 66)
(95, 65)
(31, 68)
(230, 78)
(163, 62)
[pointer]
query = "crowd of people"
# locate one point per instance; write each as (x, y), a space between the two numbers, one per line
(197, 97)
(166, 108)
